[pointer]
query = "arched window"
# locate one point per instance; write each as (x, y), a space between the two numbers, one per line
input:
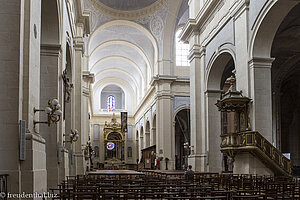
(111, 103)
(182, 51)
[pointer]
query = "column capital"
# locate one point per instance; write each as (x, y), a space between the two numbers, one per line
(197, 51)
(79, 44)
(260, 62)
(51, 49)
(88, 77)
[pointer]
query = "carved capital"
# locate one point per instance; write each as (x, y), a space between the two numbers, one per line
(88, 77)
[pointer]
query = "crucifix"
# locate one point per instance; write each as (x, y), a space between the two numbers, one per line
(67, 89)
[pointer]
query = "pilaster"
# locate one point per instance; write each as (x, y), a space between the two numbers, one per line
(197, 87)
(261, 94)
(78, 101)
(49, 89)
(165, 138)
(241, 41)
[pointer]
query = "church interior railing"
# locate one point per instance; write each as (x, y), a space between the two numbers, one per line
(254, 142)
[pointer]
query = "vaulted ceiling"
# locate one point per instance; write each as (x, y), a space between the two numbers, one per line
(124, 46)
(121, 52)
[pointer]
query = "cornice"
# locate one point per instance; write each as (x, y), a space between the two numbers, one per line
(88, 76)
(51, 49)
(195, 24)
(259, 62)
(78, 43)
(83, 16)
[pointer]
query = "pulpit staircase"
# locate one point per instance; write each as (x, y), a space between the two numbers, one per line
(254, 143)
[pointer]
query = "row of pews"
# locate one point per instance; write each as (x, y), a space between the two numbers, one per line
(127, 184)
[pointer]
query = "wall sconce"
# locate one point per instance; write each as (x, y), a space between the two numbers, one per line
(53, 111)
(188, 148)
(74, 135)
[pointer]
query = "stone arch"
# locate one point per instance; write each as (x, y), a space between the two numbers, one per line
(121, 58)
(112, 70)
(153, 139)
(131, 24)
(266, 26)
(142, 138)
(115, 91)
(125, 43)
(137, 145)
(182, 135)
(128, 90)
(50, 23)
(262, 64)
(220, 63)
(147, 134)
(216, 68)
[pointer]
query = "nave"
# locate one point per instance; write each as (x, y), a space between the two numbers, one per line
(171, 184)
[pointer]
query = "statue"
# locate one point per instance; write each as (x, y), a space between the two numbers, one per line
(67, 86)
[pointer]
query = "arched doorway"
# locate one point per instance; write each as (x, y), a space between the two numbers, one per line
(142, 138)
(147, 134)
(137, 147)
(262, 55)
(114, 144)
(285, 73)
(154, 131)
(221, 68)
(228, 119)
(182, 138)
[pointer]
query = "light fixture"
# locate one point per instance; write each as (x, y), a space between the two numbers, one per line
(53, 111)
(74, 135)
(88, 152)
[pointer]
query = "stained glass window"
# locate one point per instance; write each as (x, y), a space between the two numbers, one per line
(111, 104)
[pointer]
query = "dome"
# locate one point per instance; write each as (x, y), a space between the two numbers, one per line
(127, 5)
(128, 9)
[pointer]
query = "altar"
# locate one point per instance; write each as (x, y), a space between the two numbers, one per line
(114, 144)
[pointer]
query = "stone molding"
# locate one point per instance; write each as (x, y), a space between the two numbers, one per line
(35, 137)
(78, 44)
(88, 76)
(129, 15)
(258, 62)
(180, 102)
(197, 52)
(243, 6)
(51, 50)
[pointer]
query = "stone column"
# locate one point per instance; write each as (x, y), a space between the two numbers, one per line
(164, 123)
(214, 131)
(261, 94)
(50, 61)
(88, 79)
(19, 94)
(78, 100)
(197, 87)
(33, 169)
(11, 74)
